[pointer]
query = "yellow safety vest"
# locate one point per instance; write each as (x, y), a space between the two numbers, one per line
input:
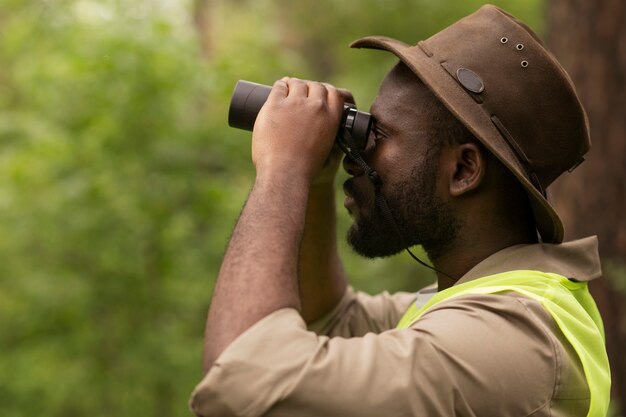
(570, 305)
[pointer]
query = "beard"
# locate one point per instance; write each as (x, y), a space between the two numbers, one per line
(420, 216)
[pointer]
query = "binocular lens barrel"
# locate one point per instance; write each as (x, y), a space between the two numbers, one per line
(248, 98)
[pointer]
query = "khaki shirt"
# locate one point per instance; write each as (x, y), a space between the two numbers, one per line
(473, 355)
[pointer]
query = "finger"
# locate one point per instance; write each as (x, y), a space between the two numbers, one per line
(347, 95)
(335, 100)
(317, 91)
(297, 88)
(280, 90)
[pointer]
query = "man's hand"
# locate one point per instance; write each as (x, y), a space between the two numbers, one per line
(295, 130)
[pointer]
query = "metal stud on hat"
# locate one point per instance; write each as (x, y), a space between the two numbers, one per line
(470, 80)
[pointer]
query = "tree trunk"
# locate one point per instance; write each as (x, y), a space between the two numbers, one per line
(589, 38)
(202, 21)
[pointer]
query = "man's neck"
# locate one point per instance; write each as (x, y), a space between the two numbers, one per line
(467, 252)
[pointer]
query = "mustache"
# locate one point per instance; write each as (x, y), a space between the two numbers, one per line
(359, 194)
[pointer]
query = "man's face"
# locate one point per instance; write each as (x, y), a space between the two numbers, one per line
(401, 152)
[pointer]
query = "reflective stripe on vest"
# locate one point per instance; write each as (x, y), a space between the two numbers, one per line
(570, 305)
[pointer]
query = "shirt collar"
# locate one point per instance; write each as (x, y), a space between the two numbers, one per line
(578, 260)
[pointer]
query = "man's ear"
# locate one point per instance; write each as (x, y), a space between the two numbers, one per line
(468, 171)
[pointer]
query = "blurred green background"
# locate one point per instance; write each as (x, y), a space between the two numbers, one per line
(120, 180)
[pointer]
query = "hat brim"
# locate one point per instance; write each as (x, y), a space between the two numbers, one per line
(463, 106)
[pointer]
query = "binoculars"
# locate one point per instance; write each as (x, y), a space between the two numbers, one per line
(248, 98)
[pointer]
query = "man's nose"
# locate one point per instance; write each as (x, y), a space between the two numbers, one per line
(351, 167)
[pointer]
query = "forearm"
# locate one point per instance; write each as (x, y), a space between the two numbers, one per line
(259, 271)
(321, 276)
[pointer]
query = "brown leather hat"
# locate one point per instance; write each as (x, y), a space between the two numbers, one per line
(494, 74)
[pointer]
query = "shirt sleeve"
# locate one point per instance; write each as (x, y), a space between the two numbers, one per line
(473, 355)
(359, 313)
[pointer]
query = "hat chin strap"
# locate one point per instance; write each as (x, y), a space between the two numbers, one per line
(349, 148)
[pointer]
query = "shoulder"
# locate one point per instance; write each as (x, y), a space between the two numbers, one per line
(503, 352)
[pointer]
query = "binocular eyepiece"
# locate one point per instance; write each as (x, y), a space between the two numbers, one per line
(248, 98)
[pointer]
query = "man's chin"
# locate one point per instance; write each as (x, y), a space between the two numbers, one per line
(373, 244)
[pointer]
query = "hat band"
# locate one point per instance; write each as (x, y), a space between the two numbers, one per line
(519, 152)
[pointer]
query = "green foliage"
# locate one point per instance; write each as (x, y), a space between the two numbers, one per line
(121, 181)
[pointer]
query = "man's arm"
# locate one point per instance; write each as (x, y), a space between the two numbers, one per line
(321, 275)
(292, 138)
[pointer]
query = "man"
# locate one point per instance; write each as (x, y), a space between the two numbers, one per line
(471, 126)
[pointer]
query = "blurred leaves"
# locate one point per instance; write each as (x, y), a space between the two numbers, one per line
(120, 181)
